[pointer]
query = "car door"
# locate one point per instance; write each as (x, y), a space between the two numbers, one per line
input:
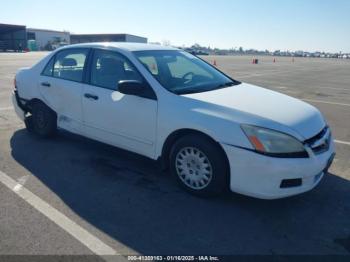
(61, 86)
(125, 121)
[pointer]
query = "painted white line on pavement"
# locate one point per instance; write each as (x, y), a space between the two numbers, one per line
(20, 183)
(6, 108)
(332, 88)
(314, 87)
(289, 92)
(17, 187)
(325, 102)
(79, 233)
(342, 142)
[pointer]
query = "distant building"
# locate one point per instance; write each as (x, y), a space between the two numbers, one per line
(19, 38)
(88, 38)
(12, 37)
(48, 39)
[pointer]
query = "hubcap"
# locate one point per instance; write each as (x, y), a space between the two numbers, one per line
(193, 168)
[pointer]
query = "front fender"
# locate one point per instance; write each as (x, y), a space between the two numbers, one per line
(221, 130)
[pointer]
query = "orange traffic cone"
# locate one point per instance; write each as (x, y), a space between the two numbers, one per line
(214, 63)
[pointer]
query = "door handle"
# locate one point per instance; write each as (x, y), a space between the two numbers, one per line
(91, 96)
(47, 84)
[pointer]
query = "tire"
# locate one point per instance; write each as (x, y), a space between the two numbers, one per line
(42, 121)
(199, 166)
(29, 124)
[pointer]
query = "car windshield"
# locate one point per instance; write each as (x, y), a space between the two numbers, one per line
(183, 73)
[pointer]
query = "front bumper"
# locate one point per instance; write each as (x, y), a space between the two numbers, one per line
(262, 176)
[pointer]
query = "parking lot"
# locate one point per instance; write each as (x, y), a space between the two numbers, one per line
(74, 196)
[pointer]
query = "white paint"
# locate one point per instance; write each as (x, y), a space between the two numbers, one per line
(265, 182)
(79, 233)
(17, 187)
(314, 87)
(23, 180)
(289, 92)
(143, 125)
(342, 142)
(129, 122)
(332, 88)
(326, 102)
(247, 101)
(6, 108)
(268, 72)
(21, 183)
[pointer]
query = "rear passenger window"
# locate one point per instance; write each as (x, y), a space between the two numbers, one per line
(108, 68)
(69, 64)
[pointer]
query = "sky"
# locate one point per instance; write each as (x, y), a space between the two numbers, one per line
(309, 25)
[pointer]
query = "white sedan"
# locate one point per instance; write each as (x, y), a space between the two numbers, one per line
(212, 132)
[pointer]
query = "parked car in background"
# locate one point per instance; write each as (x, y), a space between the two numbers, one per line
(196, 52)
(211, 131)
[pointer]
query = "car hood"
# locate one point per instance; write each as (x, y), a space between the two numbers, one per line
(274, 108)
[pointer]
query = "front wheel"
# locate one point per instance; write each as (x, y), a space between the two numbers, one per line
(199, 165)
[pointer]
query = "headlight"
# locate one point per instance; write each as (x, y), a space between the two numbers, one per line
(273, 142)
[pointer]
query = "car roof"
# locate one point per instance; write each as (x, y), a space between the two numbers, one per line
(122, 45)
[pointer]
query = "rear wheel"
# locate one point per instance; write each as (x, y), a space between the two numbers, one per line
(42, 121)
(29, 124)
(199, 165)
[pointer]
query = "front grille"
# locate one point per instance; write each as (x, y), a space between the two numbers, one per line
(320, 143)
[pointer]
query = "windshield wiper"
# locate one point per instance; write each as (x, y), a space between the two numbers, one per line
(227, 84)
(192, 91)
(202, 89)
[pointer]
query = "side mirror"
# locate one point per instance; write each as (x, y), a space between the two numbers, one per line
(131, 87)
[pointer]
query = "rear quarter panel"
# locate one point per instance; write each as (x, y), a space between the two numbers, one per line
(27, 80)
